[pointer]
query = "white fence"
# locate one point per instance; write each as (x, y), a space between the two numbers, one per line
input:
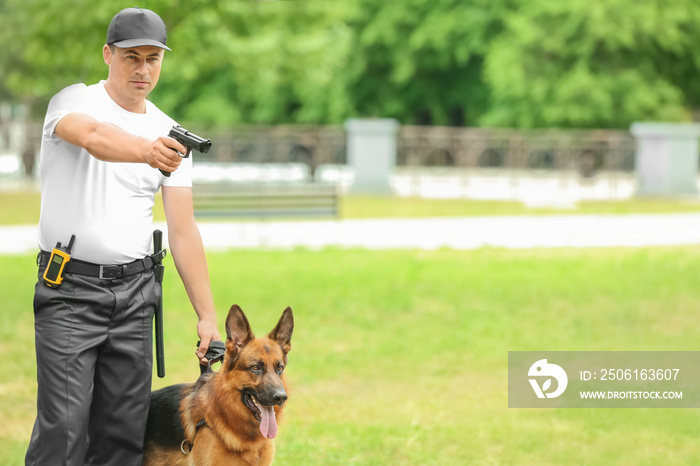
(545, 167)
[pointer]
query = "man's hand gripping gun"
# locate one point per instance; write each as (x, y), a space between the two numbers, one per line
(190, 141)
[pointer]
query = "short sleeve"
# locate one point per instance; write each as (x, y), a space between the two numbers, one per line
(69, 100)
(182, 177)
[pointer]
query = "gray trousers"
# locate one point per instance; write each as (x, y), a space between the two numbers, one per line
(94, 366)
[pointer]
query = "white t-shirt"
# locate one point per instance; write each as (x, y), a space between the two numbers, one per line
(106, 205)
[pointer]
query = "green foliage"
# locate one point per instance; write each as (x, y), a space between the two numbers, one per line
(256, 63)
(588, 63)
(520, 63)
(48, 45)
(232, 62)
(421, 60)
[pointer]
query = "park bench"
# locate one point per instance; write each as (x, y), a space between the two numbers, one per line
(264, 200)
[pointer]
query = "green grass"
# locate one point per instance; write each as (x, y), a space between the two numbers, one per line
(393, 207)
(23, 207)
(19, 207)
(400, 357)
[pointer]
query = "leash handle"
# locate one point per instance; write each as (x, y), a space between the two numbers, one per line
(215, 353)
(159, 270)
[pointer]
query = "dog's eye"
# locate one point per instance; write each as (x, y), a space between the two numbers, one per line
(255, 367)
(280, 368)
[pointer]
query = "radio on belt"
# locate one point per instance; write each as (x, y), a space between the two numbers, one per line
(60, 256)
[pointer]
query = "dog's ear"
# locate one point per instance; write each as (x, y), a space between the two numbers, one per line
(238, 332)
(282, 333)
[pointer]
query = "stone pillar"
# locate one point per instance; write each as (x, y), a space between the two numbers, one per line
(666, 160)
(372, 154)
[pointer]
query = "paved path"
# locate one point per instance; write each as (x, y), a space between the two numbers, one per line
(459, 233)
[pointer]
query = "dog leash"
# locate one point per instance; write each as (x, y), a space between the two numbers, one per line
(215, 353)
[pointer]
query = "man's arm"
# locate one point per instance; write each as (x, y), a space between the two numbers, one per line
(188, 253)
(110, 143)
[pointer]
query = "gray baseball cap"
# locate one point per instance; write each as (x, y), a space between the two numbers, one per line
(135, 27)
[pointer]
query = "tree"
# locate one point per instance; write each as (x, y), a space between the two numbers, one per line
(237, 61)
(594, 63)
(421, 60)
(258, 62)
(517, 63)
(48, 45)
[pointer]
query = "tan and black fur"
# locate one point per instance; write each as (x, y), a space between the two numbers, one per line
(218, 418)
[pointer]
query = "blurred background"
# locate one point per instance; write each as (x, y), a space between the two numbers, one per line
(488, 95)
(560, 136)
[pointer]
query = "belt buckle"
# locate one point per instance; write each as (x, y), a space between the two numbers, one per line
(113, 270)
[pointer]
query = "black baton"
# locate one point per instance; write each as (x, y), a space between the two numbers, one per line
(158, 270)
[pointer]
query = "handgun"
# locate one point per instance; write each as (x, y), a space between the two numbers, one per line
(189, 140)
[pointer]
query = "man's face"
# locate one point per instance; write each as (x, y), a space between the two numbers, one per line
(133, 72)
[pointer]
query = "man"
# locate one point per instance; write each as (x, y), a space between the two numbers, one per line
(102, 149)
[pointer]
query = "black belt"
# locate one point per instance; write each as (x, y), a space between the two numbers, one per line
(105, 272)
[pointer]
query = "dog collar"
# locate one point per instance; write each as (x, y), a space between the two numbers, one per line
(185, 446)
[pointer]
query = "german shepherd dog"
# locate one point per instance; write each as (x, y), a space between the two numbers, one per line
(229, 416)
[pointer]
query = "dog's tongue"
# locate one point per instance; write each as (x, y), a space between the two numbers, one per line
(268, 425)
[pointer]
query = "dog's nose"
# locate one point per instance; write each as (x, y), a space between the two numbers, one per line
(280, 397)
(272, 396)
